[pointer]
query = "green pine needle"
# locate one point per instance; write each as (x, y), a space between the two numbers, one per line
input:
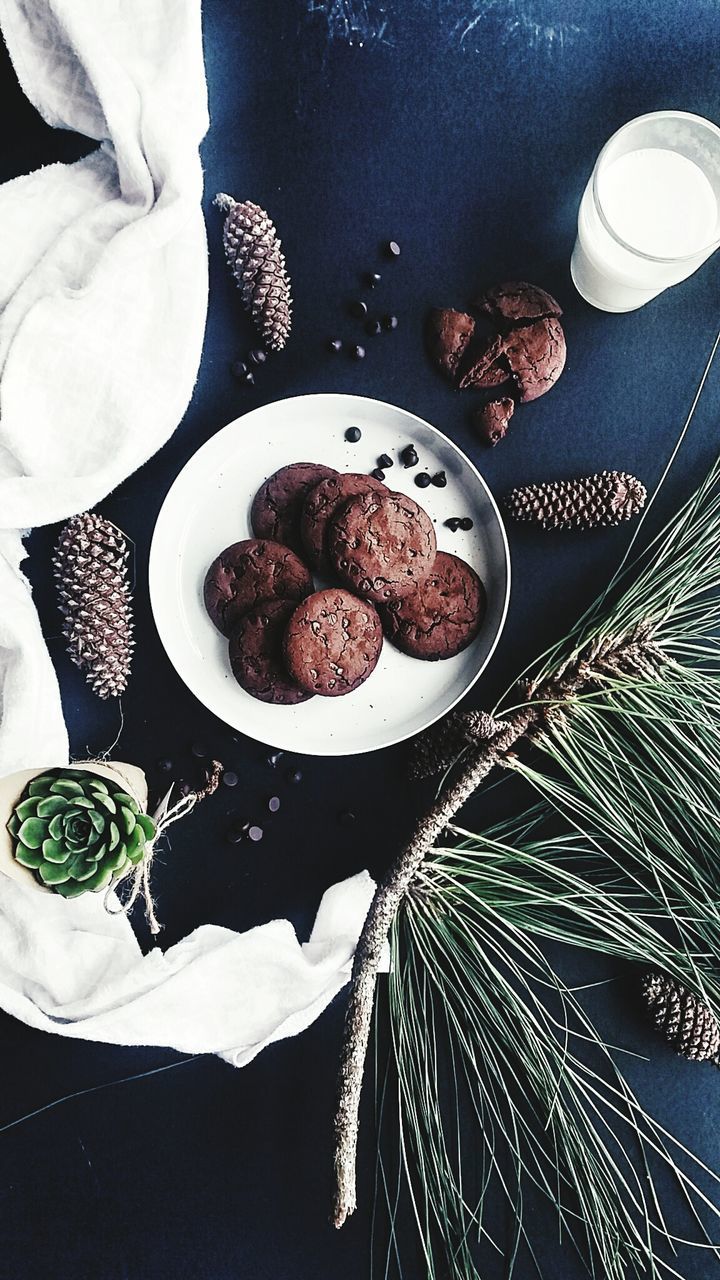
(616, 853)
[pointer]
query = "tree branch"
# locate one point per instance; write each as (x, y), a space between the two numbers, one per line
(383, 909)
(634, 654)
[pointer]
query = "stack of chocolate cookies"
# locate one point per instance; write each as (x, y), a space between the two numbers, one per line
(288, 641)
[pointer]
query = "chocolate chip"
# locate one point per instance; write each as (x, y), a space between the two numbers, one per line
(229, 778)
(409, 457)
(258, 356)
(353, 434)
(392, 249)
(372, 279)
(358, 309)
(255, 834)
(453, 524)
(423, 480)
(294, 775)
(199, 750)
(378, 474)
(165, 765)
(373, 328)
(358, 352)
(389, 322)
(439, 480)
(235, 833)
(385, 460)
(466, 523)
(274, 758)
(335, 344)
(238, 369)
(274, 804)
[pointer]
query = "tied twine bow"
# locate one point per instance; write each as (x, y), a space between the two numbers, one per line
(163, 817)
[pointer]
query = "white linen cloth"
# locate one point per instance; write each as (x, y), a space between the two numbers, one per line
(80, 973)
(103, 298)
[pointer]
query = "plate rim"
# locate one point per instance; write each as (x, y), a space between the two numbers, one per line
(157, 579)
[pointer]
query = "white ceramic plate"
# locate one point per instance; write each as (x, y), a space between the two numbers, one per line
(208, 507)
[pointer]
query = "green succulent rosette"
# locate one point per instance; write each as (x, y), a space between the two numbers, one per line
(78, 831)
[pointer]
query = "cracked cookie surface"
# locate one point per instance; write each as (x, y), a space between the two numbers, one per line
(536, 355)
(332, 642)
(321, 505)
(443, 616)
(448, 333)
(382, 545)
(517, 302)
(256, 654)
(249, 572)
(277, 506)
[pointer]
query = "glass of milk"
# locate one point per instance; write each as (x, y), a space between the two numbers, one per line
(650, 214)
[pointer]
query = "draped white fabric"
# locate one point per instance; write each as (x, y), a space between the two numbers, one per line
(103, 298)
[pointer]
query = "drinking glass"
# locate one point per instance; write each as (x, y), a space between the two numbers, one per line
(650, 214)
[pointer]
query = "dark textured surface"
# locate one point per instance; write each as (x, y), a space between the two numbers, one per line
(465, 131)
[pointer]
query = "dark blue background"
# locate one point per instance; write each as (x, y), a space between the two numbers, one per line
(466, 130)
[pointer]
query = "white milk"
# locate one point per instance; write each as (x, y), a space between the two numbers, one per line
(658, 202)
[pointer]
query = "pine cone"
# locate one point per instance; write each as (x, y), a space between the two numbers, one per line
(253, 252)
(90, 567)
(439, 747)
(681, 1017)
(607, 498)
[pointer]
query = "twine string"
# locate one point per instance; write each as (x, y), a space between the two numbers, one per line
(163, 817)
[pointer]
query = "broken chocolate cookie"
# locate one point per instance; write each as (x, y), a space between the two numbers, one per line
(492, 420)
(485, 364)
(517, 302)
(448, 334)
(517, 340)
(536, 356)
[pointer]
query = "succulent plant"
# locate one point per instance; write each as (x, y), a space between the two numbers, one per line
(78, 831)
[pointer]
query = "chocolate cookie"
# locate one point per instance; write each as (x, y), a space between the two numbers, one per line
(516, 302)
(491, 421)
(256, 654)
(448, 333)
(320, 506)
(382, 545)
(536, 355)
(277, 506)
(332, 642)
(443, 616)
(484, 365)
(248, 572)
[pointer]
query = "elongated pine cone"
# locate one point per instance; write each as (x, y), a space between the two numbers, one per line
(254, 255)
(606, 498)
(90, 567)
(440, 746)
(681, 1017)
